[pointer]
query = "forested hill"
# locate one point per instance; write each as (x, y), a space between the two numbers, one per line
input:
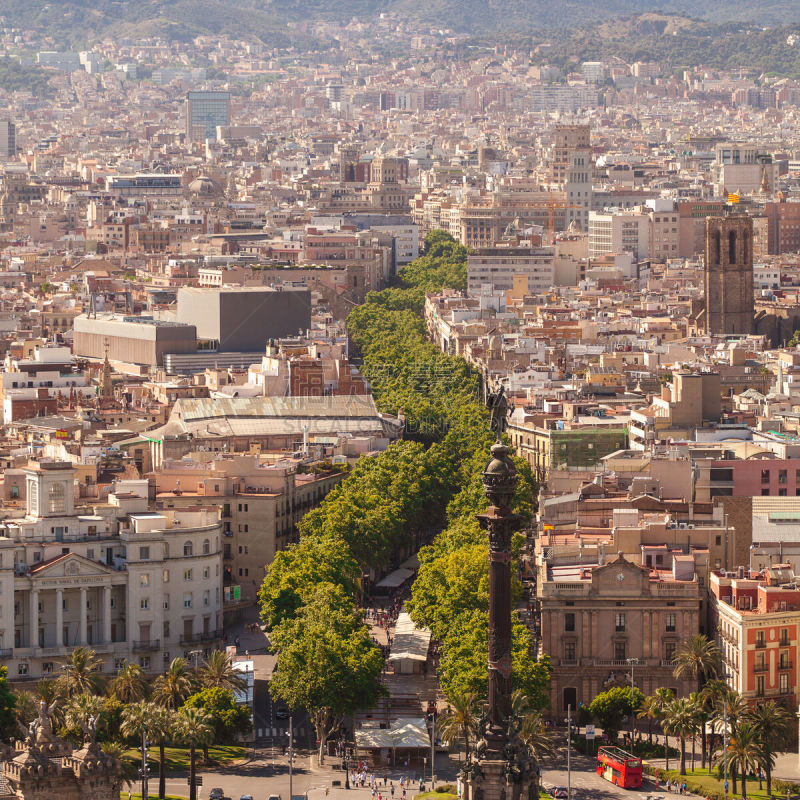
(88, 20)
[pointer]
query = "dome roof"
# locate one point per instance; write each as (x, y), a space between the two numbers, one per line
(202, 184)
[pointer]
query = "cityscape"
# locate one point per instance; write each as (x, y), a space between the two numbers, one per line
(399, 402)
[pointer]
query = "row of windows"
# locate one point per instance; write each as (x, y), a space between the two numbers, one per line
(670, 622)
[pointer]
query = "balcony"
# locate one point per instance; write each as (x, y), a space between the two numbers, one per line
(6, 652)
(761, 668)
(147, 645)
(784, 665)
(760, 644)
(610, 662)
(208, 636)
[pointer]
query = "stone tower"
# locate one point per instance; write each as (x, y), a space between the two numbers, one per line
(729, 275)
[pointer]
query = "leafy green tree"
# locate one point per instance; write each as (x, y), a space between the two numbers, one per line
(327, 663)
(609, 708)
(228, 718)
(9, 727)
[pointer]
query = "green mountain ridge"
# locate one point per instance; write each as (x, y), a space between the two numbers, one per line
(76, 21)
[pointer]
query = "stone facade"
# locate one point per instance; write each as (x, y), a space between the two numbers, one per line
(729, 300)
(130, 583)
(595, 619)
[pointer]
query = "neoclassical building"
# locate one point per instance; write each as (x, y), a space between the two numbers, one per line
(129, 583)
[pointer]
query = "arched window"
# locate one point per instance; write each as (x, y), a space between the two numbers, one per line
(206, 547)
(732, 247)
(187, 548)
(717, 247)
(745, 246)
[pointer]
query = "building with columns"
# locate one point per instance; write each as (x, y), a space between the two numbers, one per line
(599, 620)
(130, 583)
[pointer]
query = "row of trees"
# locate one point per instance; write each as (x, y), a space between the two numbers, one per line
(184, 706)
(431, 479)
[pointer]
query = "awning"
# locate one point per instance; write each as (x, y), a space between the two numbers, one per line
(410, 642)
(395, 579)
(406, 733)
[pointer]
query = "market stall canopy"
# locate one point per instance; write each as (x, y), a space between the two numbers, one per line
(410, 643)
(395, 579)
(405, 733)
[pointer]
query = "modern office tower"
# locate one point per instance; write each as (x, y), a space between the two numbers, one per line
(729, 275)
(8, 138)
(204, 112)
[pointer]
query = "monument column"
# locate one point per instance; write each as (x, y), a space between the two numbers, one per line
(501, 768)
(59, 617)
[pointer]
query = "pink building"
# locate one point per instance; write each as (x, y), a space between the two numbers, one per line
(746, 478)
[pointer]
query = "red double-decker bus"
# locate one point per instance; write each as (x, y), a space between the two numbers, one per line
(619, 767)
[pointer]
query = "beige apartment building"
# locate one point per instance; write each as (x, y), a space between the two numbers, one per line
(260, 505)
(130, 583)
(599, 621)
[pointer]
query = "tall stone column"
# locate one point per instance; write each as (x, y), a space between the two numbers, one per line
(34, 634)
(84, 619)
(107, 614)
(501, 768)
(59, 617)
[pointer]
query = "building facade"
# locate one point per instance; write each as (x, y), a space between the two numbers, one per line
(204, 112)
(130, 583)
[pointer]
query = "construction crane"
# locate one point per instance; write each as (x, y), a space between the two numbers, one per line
(552, 205)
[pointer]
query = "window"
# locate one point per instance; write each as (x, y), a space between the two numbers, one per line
(206, 599)
(671, 623)
(781, 476)
(669, 650)
(569, 622)
(717, 540)
(165, 576)
(206, 572)
(144, 603)
(785, 661)
(620, 651)
(187, 600)
(620, 622)
(144, 580)
(144, 554)
(764, 476)
(760, 685)
(760, 641)
(90, 553)
(187, 548)
(187, 575)
(22, 669)
(144, 662)
(784, 637)
(784, 683)
(569, 651)
(166, 602)
(57, 503)
(206, 547)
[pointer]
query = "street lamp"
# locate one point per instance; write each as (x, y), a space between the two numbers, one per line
(632, 662)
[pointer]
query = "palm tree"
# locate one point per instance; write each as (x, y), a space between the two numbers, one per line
(773, 723)
(709, 698)
(83, 673)
(26, 708)
(648, 710)
(744, 753)
(174, 686)
(461, 718)
(162, 726)
(662, 698)
(699, 715)
(136, 723)
(194, 728)
(680, 720)
(128, 771)
(130, 685)
(700, 659)
(218, 672)
(79, 709)
(535, 737)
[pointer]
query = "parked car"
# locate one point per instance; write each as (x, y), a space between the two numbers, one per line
(246, 797)
(560, 793)
(216, 794)
(274, 797)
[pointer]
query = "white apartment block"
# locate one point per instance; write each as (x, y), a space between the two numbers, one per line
(498, 266)
(614, 232)
(664, 229)
(132, 584)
